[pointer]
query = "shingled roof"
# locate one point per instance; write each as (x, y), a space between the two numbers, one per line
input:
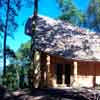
(64, 39)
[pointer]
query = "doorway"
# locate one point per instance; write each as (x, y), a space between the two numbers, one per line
(59, 73)
(63, 69)
(67, 74)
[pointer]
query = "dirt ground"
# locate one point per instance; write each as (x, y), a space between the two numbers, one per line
(50, 94)
(58, 94)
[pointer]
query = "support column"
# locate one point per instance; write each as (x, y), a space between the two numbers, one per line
(63, 75)
(48, 69)
(75, 73)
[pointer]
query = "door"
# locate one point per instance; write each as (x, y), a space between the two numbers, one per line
(59, 73)
(67, 73)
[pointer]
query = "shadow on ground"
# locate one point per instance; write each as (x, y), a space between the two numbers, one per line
(39, 94)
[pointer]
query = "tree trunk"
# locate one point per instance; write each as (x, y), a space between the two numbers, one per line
(5, 37)
(33, 45)
(34, 21)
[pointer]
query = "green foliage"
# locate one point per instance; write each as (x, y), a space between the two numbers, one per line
(93, 15)
(14, 7)
(24, 50)
(15, 77)
(12, 77)
(8, 23)
(17, 70)
(70, 12)
(10, 53)
(89, 19)
(23, 56)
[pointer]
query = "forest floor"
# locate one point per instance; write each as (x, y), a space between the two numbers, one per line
(59, 94)
(50, 94)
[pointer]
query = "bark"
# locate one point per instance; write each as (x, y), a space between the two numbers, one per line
(32, 82)
(5, 38)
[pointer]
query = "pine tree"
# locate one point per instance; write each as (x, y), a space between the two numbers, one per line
(93, 15)
(70, 12)
(8, 22)
(32, 76)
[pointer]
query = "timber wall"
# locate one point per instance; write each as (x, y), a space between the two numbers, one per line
(88, 72)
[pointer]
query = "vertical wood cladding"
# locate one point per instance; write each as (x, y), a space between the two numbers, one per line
(86, 68)
(89, 68)
(88, 72)
(97, 69)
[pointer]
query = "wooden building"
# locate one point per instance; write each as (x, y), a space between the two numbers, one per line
(69, 56)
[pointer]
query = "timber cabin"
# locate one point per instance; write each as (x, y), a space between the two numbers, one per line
(69, 56)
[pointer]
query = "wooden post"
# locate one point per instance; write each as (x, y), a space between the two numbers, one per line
(94, 76)
(75, 72)
(63, 75)
(48, 69)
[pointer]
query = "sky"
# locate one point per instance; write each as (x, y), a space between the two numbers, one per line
(47, 8)
(81, 4)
